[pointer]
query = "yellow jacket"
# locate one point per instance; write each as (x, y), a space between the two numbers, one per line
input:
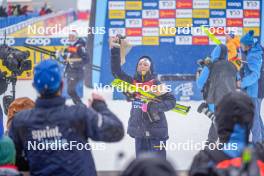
(232, 46)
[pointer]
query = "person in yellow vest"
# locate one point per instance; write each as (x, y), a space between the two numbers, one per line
(233, 45)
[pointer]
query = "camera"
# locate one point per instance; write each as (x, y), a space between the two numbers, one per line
(204, 62)
(15, 60)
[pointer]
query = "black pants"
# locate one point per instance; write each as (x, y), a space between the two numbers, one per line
(73, 79)
(212, 135)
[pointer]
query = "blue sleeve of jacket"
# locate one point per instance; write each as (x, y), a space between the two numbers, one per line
(168, 102)
(116, 67)
(254, 68)
(102, 124)
(1, 122)
(200, 82)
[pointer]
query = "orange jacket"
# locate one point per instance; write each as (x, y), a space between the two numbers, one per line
(232, 46)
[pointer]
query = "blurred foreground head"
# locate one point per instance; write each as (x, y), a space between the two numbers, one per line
(7, 151)
(149, 165)
(18, 105)
(234, 115)
(47, 78)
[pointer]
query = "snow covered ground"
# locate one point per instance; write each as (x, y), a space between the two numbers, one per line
(182, 129)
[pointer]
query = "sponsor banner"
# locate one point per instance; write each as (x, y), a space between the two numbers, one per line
(115, 31)
(184, 4)
(237, 30)
(117, 23)
(255, 29)
(201, 4)
(134, 40)
(167, 4)
(150, 41)
(234, 13)
(151, 5)
(183, 40)
(150, 31)
(150, 22)
(168, 31)
(217, 13)
(183, 13)
(218, 4)
(199, 22)
(116, 5)
(116, 14)
(184, 22)
(133, 14)
(167, 13)
(134, 31)
(234, 4)
(133, 23)
(251, 5)
(167, 40)
(167, 22)
(251, 13)
(197, 31)
(133, 5)
(200, 40)
(221, 38)
(251, 22)
(150, 14)
(218, 22)
(184, 31)
(198, 13)
(234, 22)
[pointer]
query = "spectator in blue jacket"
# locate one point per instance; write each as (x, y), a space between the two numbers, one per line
(147, 122)
(217, 78)
(249, 82)
(62, 130)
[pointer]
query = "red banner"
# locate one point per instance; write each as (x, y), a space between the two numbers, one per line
(234, 22)
(167, 13)
(200, 40)
(134, 31)
(251, 13)
(184, 4)
(150, 23)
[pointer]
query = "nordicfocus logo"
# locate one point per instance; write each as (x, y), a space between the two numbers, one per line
(57, 29)
(50, 138)
(192, 146)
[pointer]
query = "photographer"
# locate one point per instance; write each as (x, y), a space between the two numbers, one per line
(217, 78)
(76, 58)
(147, 122)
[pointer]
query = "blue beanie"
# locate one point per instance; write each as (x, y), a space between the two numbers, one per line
(248, 39)
(47, 77)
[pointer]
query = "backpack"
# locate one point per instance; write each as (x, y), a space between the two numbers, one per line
(227, 166)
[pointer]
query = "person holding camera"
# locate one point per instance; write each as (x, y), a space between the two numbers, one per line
(59, 132)
(147, 122)
(252, 74)
(76, 58)
(216, 79)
